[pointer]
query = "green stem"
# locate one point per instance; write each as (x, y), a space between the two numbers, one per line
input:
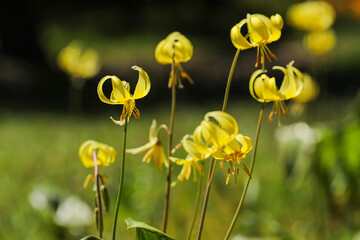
(211, 167)
(231, 73)
(121, 182)
(98, 196)
(206, 197)
(196, 208)
(170, 139)
(250, 173)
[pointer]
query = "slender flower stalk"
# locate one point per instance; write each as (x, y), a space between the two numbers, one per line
(170, 140)
(120, 95)
(99, 216)
(213, 162)
(174, 49)
(196, 208)
(226, 96)
(250, 173)
(120, 183)
(212, 168)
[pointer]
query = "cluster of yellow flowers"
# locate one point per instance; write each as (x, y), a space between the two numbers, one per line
(218, 136)
(221, 139)
(315, 18)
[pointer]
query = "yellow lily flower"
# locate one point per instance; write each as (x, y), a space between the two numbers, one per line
(311, 16)
(264, 89)
(154, 147)
(233, 153)
(121, 94)
(175, 49)
(78, 62)
(261, 31)
(105, 156)
(192, 160)
(320, 42)
(215, 131)
(105, 153)
(217, 135)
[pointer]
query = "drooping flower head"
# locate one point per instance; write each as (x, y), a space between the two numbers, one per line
(261, 31)
(320, 42)
(175, 49)
(120, 94)
(215, 131)
(96, 154)
(311, 16)
(78, 62)
(154, 148)
(264, 89)
(218, 135)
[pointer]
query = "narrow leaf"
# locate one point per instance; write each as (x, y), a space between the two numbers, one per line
(146, 232)
(91, 238)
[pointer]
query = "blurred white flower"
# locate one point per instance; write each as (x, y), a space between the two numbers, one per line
(38, 199)
(73, 212)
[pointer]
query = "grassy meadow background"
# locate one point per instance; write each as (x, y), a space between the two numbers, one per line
(306, 182)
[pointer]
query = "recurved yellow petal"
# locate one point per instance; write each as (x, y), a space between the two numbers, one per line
(292, 83)
(245, 142)
(143, 85)
(143, 148)
(225, 120)
(237, 38)
(278, 24)
(119, 93)
(192, 149)
(260, 27)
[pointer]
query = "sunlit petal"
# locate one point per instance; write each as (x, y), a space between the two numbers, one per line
(237, 38)
(143, 85)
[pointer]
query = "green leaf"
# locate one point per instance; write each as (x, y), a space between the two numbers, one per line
(91, 238)
(146, 232)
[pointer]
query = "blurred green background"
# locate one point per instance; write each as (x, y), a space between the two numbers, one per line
(306, 182)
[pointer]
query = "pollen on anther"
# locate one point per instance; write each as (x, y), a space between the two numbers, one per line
(222, 165)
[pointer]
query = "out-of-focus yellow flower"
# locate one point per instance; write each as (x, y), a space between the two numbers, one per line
(78, 62)
(310, 90)
(95, 154)
(264, 89)
(311, 16)
(105, 154)
(154, 148)
(175, 49)
(192, 160)
(121, 94)
(320, 42)
(261, 30)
